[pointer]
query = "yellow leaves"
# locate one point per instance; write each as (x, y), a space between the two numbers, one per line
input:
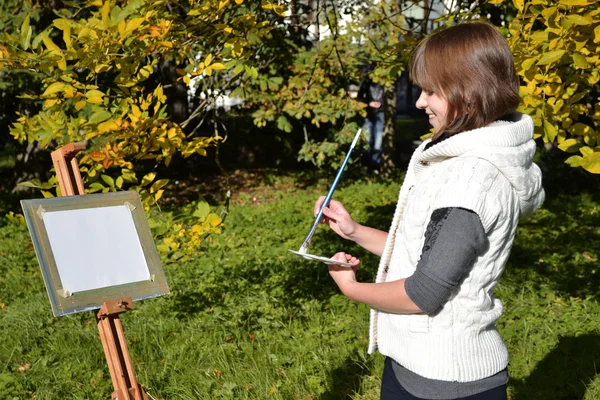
(586, 151)
(121, 27)
(185, 234)
(580, 129)
(548, 12)
(551, 89)
(50, 102)
(104, 123)
(280, 9)
(158, 185)
(54, 50)
(222, 4)
(550, 131)
(592, 78)
(144, 73)
(207, 68)
(213, 220)
(148, 178)
(575, 3)
(134, 24)
(65, 26)
(54, 88)
(580, 20)
(551, 56)
(128, 175)
(591, 162)
(101, 68)
(84, 32)
(105, 14)
(570, 146)
(597, 34)
(519, 4)
(528, 63)
(218, 66)
(173, 245)
(94, 96)
(107, 126)
(136, 113)
(580, 61)
(159, 95)
(539, 36)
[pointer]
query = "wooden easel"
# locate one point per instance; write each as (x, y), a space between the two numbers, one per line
(109, 325)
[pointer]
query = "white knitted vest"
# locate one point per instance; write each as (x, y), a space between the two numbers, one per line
(488, 171)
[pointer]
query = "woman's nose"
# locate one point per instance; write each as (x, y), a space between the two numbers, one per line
(422, 101)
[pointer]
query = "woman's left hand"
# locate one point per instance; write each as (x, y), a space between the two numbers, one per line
(344, 276)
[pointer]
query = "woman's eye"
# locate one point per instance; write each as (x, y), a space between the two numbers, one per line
(430, 92)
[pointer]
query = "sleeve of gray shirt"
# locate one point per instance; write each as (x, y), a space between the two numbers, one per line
(453, 240)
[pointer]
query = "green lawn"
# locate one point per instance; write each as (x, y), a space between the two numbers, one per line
(248, 320)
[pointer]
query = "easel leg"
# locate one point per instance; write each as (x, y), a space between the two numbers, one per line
(119, 362)
(111, 351)
(135, 389)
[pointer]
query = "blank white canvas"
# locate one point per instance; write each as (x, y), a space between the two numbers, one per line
(95, 247)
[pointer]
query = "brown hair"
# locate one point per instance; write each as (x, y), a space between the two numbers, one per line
(471, 66)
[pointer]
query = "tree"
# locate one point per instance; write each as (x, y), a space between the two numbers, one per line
(556, 47)
(303, 82)
(95, 60)
(30, 160)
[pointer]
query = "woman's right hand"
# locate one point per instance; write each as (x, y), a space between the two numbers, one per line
(338, 219)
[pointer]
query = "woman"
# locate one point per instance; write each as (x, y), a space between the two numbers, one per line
(433, 309)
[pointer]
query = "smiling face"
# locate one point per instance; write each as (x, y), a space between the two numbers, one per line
(468, 75)
(436, 108)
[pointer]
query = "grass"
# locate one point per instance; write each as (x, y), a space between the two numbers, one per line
(248, 320)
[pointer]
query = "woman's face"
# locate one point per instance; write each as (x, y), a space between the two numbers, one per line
(436, 108)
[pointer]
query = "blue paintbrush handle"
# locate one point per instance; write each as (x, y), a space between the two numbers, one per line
(329, 193)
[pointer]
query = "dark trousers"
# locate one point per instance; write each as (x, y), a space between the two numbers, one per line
(391, 389)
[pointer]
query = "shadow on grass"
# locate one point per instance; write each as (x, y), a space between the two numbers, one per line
(564, 373)
(187, 304)
(345, 381)
(558, 245)
(559, 249)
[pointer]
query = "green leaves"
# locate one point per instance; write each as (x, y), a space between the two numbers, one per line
(26, 32)
(550, 57)
(99, 116)
(580, 61)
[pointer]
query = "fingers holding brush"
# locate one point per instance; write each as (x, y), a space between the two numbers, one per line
(337, 217)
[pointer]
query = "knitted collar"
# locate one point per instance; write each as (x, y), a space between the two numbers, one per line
(497, 135)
